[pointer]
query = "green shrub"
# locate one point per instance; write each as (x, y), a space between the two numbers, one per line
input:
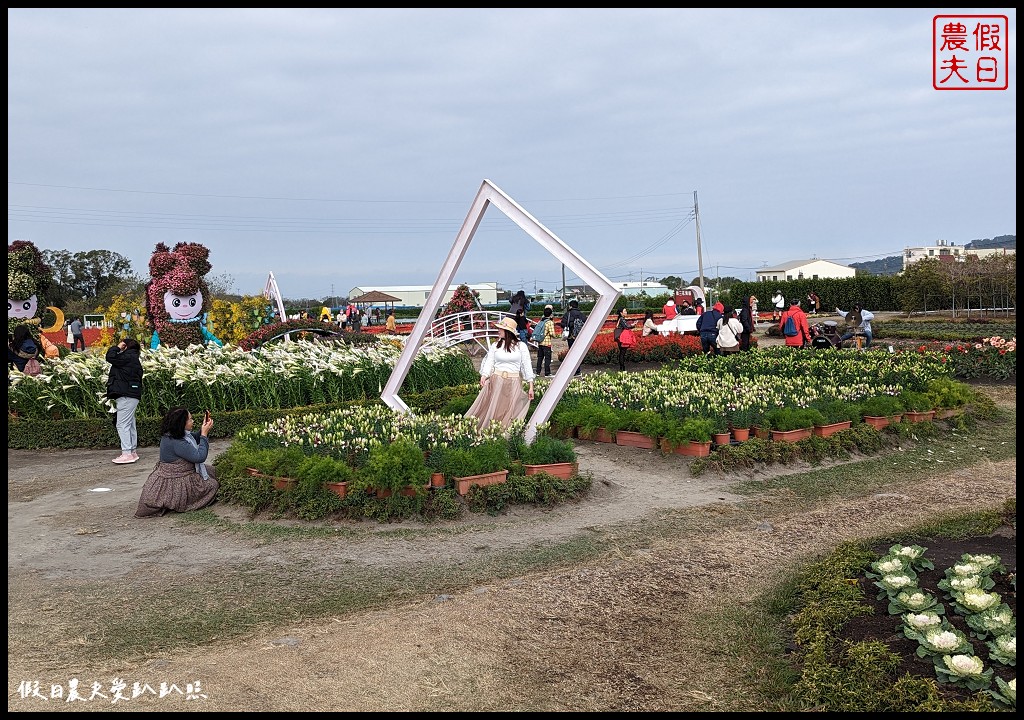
(837, 411)
(948, 394)
(880, 406)
(393, 467)
(916, 401)
(786, 419)
(545, 450)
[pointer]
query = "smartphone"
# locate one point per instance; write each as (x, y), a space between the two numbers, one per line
(206, 415)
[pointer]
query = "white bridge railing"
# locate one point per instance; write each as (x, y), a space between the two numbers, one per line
(476, 326)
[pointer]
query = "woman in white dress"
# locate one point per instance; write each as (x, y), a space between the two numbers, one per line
(503, 371)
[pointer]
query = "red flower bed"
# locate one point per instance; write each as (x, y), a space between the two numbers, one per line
(653, 348)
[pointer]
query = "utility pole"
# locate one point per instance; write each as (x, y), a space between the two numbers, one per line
(700, 254)
(563, 286)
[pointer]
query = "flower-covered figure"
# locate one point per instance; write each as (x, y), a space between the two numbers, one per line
(177, 296)
(29, 280)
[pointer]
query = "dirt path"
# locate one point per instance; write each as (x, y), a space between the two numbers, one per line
(619, 633)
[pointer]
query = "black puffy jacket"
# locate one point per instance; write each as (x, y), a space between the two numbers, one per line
(125, 379)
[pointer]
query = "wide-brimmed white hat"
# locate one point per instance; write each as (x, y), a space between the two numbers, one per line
(507, 323)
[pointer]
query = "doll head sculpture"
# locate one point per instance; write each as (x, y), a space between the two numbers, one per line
(177, 296)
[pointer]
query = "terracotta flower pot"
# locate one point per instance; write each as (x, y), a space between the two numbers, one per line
(437, 480)
(831, 429)
(721, 438)
(791, 435)
(916, 417)
(628, 438)
(283, 483)
(559, 470)
(691, 448)
(463, 484)
(877, 421)
(761, 433)
(338, 488)
(741, 434)
(599, 435)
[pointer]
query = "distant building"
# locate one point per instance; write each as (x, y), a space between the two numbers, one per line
(805, 270)
(416, 295)
(949, 252)
(647, 287)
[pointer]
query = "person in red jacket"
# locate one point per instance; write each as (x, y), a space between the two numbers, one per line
(803, 330)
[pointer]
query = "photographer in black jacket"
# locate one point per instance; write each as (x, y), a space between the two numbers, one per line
(124, 387)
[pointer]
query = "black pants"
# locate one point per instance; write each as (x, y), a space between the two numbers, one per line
(78, 339)
(544, 359)
(569, 341)
(622, 356)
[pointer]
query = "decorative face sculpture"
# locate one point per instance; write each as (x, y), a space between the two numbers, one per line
(177, 295)
(22, 309)
(183, 307)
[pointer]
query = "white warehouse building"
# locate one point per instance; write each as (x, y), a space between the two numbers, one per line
(416, 295)
(805, 270)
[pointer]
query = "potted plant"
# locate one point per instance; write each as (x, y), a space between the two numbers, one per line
(483, 464)
(598, 422)
(741, 419)
(838, 416)
(792, 424)
(948, 397)
(689, 436)
(333, 474)
(880, 411)
(640, 428)
(552, 455)
(284, 467)
(396, 467)
(918, 406)
(720, 435)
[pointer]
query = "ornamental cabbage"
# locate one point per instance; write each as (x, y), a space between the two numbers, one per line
(978, 600)
(1004, 649)
(966, 569)
(889, 565)
(994, 621)
(947, 641)
(1005, 693)
(922, 621)
(988, 563)
(892, 584)
(966, 670)
(915, 600)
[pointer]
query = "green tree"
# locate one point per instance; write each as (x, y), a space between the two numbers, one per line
(924, 285)
(85, 276)
(672, 282)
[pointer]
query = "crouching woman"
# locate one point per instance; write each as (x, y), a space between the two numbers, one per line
(181, 481)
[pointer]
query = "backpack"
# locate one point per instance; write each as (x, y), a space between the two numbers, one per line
(789, 329)
(577, 326)
(538, 330)
(32, 367)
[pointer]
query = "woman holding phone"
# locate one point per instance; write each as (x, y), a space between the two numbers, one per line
(181, 481)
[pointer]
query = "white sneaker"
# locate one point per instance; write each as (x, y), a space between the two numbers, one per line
(124, 459)
(135, 456)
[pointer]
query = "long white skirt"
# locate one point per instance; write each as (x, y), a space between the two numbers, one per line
(500, 400)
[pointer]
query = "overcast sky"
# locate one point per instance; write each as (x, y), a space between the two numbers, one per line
(342, 148)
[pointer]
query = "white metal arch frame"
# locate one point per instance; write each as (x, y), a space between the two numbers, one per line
(489, 194)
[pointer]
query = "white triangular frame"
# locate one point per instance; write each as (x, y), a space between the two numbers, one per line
(490, 194)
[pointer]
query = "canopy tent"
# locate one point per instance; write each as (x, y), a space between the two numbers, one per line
(376, 297)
